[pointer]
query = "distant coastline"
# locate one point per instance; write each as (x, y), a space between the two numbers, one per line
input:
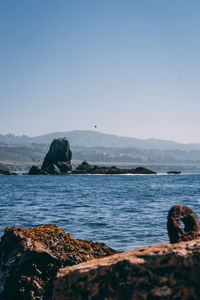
(20, 153)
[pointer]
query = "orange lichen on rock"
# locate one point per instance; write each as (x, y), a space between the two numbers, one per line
(31, 255)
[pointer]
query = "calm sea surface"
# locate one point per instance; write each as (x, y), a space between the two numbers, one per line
(123, 211)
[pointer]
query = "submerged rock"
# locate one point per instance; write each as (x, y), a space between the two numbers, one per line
(161, 272)
(30, 257)
(86, 168)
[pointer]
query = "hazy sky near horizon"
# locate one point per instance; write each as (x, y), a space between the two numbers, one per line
(130, 67)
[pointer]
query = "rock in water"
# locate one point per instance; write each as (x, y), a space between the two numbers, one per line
(86, 168)
(30, 257)
(35, 170)
(174, 172)
(59, 155)
(7, 172)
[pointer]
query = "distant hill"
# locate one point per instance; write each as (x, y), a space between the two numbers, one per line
(84, 138)
(22, 157)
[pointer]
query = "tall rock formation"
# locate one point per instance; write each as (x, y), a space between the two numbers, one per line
(57, 160)
(59, 153)
(58, 157)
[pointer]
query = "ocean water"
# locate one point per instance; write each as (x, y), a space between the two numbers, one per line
(124, 211)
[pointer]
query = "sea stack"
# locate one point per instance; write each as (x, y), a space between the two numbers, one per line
(58, 158)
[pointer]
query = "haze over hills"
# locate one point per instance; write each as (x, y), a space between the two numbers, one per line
(84, 138)
(20, 152)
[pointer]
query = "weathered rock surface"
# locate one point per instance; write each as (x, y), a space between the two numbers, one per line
(163, 271)
(6, 172)
(86, 168)
(30, 257)
(34, 170)
(182, 215)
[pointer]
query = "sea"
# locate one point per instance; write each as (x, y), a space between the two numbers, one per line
(124, 211)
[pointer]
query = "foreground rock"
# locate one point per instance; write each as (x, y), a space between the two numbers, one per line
(30, 257)
(86, 168)
(164, 271)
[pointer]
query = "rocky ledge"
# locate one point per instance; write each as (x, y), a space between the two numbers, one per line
(163, 271)
(30, 258)
(86, 168)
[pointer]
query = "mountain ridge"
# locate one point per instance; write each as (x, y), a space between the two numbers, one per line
(89, 138)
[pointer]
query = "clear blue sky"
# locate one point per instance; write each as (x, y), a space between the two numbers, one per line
(130, 67)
